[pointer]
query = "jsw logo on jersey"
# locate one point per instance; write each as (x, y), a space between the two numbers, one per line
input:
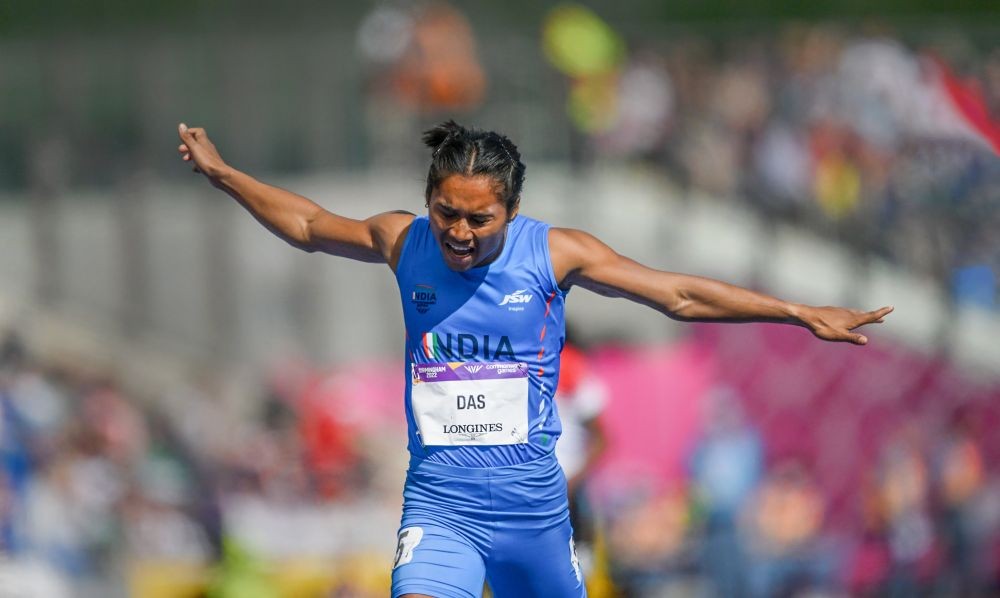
(516, 297)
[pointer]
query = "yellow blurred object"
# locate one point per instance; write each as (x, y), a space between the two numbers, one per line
(579, 43)
(599, 584)
(302, 578)
(357, 575)
(366, 574)
(160, 579)
(592, 103)
(838, 185)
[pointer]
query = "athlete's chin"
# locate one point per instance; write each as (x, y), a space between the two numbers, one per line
(459, 265)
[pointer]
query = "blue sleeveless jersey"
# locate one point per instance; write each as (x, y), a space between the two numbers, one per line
(497, 321)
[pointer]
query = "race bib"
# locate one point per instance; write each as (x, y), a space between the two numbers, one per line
(471, 403)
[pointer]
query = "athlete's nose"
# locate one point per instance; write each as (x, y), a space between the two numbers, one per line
(461, 231)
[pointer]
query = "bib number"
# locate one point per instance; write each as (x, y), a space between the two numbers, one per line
(470, 403)
(405, 543)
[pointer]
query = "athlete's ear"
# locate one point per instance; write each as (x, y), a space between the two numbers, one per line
(513, 210)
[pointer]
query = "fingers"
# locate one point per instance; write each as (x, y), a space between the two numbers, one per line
(881, 313)
(838, 336)
(190, 137)
(875, 316)
(850, 337)
(189, 134)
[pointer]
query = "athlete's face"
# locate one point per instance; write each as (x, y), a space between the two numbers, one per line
(469, 220)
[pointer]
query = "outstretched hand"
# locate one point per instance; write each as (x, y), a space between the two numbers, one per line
(837, 323)
(199, 149)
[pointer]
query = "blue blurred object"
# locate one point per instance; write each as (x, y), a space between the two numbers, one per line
(975, 285)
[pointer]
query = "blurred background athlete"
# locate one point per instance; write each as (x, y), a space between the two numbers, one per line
(483, 292)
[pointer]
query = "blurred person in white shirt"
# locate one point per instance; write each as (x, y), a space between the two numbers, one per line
(581, 398)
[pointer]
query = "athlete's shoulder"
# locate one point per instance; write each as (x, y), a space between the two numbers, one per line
(571, 241)
(390, 230)
(528, 221)
(396, 220)
(571, 249)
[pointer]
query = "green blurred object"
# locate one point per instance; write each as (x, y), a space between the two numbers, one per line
(579, 43)
(240, 575)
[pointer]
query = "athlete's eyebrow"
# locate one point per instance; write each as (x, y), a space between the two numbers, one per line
(444, 204)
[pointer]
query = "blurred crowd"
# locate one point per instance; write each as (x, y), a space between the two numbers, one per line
(793, 468)
(876, 142)
(286, 492)
(809, 470)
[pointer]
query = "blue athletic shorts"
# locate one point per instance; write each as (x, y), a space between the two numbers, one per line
(508, 526)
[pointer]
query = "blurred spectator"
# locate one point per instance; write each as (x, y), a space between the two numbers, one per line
(648, 543)
(726, 467)
(580, 399)
(960, 474)
(785, 523)
(904, 487)
(428, 54)
(421, 59)
(328, 438)
(643, 109)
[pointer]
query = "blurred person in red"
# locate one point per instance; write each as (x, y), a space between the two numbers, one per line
(483, 292)
(330, 443)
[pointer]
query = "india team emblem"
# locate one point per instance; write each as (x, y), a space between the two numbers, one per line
(423, 297)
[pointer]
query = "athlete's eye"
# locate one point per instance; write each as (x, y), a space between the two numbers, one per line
(446, 212)
(480, 220)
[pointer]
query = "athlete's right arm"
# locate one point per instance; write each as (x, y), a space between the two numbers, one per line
(299, 221)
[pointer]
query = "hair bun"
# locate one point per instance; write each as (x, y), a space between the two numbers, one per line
(439, 135)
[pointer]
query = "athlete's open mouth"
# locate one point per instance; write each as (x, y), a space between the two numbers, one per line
(458, 250)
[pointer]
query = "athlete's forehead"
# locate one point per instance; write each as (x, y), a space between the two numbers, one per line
(470, 194)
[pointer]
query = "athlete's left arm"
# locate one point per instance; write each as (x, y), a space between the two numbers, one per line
(581, 259)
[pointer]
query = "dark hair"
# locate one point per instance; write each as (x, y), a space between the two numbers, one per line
(471, 152)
